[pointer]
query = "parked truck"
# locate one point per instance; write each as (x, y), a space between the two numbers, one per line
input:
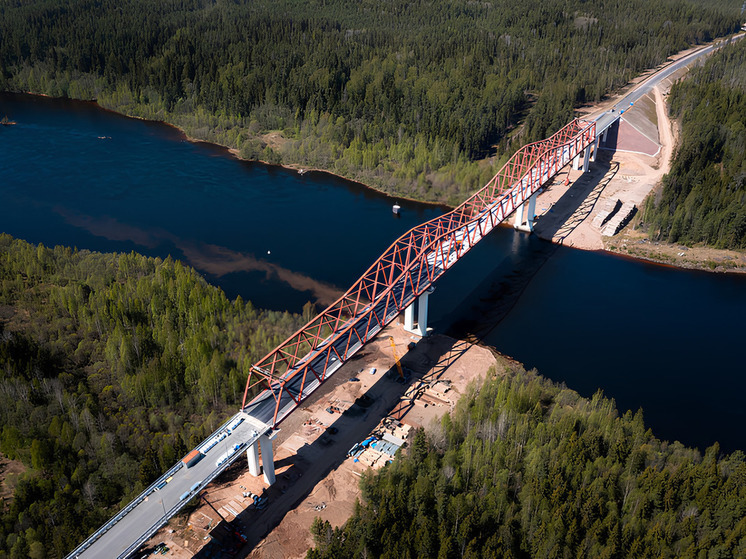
(192, 458)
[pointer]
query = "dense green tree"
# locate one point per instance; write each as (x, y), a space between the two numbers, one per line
(524, 468)
(103, 360)
(703, 198)
(404, 96)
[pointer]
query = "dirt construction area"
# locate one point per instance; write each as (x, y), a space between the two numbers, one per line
(628, 166)
(592, 210)
(314, 474)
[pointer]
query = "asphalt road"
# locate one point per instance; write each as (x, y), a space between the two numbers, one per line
(159, 505)
(606, 119)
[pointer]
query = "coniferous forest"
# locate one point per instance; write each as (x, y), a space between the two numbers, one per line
(525, 468)
(404, 96)
(112, 366)
(703, 197)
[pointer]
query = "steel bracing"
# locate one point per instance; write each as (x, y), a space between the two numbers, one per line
(403, 272)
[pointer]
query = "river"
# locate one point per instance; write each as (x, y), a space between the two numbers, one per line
(649, 336)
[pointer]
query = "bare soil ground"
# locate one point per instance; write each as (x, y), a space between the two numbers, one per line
(567, 208)
(314, 475)
(333, 499)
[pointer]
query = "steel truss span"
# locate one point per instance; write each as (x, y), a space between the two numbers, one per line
(403, 272)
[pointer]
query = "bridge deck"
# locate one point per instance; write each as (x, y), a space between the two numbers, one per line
(406, 270)
(151, 510)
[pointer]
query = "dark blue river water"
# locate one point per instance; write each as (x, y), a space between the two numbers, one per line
(666, 340)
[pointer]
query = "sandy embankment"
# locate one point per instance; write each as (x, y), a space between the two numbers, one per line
(565, 211)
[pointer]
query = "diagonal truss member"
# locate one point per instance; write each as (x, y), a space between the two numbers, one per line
(404, 271)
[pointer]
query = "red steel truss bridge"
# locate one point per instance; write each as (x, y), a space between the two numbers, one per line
(290, 373)
(407, 269)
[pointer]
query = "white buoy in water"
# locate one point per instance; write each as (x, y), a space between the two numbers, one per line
(268, 252)
(396, 208)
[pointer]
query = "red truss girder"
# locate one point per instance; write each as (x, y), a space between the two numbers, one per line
(526, 171)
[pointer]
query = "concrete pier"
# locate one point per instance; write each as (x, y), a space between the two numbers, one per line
(252, 454)
(268, 460)
(422, 314)
(409, 318)
(576, 162)
(422, 303)
(587, 159)
(594, 150)
(525, 214)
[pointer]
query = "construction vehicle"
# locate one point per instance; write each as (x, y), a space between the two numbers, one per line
(398, 363)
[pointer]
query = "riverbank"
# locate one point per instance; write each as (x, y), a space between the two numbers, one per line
(566, 213)
(624, 175)
(565, 217)
(636, 244)
(302, 170)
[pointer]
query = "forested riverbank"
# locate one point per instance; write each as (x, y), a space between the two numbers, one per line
(526, 468)
(404, 97)
(112, 367)
(703, 197)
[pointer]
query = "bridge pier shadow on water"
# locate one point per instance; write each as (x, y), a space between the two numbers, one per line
(299, 473)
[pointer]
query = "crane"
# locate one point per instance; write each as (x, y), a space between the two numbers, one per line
(398, 363)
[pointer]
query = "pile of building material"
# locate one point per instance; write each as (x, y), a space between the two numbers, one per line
(619, 220)
(393, 428)
(434, 396)
(380, 448)
(378, 453)
(311, 427)
(231, 509)
(441, 388)
(607, 211)
(401, 432)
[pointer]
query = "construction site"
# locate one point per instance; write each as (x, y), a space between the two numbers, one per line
(355, 422)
